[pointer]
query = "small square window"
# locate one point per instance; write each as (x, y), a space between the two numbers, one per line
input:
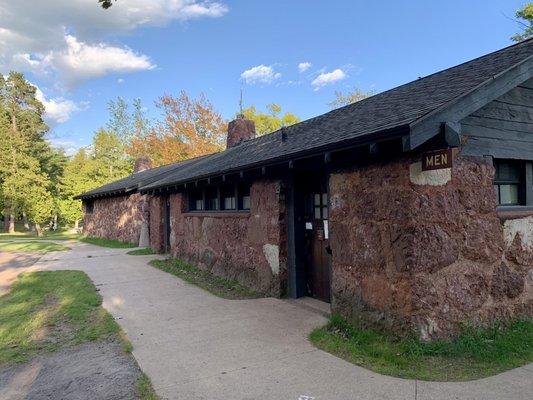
(89, 206)
(509, 182)
(211, 199)
(227, 194)
(244, 197)
(196, 200)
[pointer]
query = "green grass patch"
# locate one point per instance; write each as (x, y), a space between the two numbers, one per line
(46, 310)
(47, 235)
(475, 353)
(117, 244)
(141, 252)
(144, 388)
(221, 287)
(32, 246)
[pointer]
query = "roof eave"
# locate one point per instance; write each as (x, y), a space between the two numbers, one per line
(430, 125)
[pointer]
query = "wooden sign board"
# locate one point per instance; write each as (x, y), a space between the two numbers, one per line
(439, 159)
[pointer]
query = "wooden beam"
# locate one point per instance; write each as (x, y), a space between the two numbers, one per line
(429, 126)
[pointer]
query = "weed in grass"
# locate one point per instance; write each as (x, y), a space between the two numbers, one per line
(221, 287)
(141, 252)
(475, 353)
(107, 243)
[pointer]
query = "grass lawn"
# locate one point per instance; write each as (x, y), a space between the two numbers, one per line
(108, 243)
(474, 354)
(225, 288)
(144, 388)
(32, 246)
(46, 310)
(50, 235)
(141, 252)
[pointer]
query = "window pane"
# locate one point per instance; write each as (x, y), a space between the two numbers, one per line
(244, 196)
(508, 171)
(325, 212)
(508, 194)
(317, 213)
(497, 193)
(211, 199)
(324, 199)
(228, 197)
(246, 202)
(317, 199)
(199, 205)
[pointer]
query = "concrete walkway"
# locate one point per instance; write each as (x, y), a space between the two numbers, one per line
(194, 345)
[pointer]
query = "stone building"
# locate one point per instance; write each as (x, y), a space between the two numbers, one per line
(410, 210)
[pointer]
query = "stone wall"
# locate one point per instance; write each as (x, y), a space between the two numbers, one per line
(157, 223)
(118, 218)
(424, 251)
(249, 247)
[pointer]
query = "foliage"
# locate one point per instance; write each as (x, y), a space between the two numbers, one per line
(189, 128)
(475, 353)
(107, 242)
(343, 99)
(106, 3)
(270, 121)
(29, 167)
(141, 252)
(30, 246)
(221, 287)
(525, 19)
(62, 304)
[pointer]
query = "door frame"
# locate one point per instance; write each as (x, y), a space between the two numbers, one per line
(294, 197)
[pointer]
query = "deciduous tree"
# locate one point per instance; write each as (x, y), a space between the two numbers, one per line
(343, 99)
(271, 121)
(525, 19)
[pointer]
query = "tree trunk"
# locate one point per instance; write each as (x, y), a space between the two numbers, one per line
(39, 230)
(54, 226)
(76, 224)
(9, 221)
(25, 221)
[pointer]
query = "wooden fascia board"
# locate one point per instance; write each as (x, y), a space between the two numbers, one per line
(452, 112)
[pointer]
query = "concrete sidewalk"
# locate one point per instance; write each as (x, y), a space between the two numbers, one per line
(194, 345)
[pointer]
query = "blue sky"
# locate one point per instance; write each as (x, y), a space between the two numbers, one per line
(81, 57)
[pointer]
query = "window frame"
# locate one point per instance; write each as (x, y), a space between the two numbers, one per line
(221, 189)
(524, 183)
(89, 206)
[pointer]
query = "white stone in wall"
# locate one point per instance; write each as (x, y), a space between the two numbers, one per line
(522, 226)
(438, 177)
(271, 252)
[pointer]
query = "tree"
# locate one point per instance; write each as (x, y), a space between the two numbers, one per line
(106, 3)
(189, 128)
(109, 155)
(22, 131)
(271, 121)
(525, 19)
(343, 99)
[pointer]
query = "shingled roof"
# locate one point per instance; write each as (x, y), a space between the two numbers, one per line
(133, 182)
(392, 113)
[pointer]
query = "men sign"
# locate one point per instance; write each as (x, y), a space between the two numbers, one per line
(439, 159)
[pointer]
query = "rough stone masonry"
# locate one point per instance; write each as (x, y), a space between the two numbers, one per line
(425, 251)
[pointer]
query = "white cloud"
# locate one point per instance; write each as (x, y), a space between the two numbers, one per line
(58, 110)
(326, 78)
(120, 81)
(260, 74)
(304, 66)
(29, 34)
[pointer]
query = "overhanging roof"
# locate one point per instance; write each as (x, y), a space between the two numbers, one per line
(414, 111)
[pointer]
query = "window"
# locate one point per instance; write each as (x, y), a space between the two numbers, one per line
(320, 205)
(244, 197)
(510, 182)
(196, 200)
(89, 206)
(229, 198)
(211, 199)
(226, 197)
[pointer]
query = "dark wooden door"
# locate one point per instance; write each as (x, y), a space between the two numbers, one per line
(317, 268)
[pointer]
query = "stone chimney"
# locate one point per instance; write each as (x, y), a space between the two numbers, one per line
(142, 164)
(239, 130)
